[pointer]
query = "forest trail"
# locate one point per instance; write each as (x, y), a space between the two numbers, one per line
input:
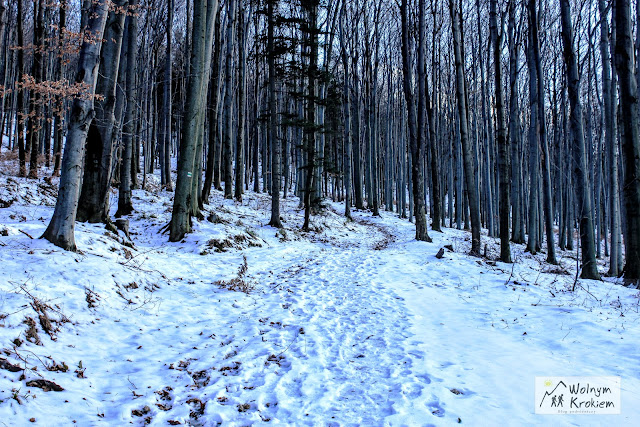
(355, 340)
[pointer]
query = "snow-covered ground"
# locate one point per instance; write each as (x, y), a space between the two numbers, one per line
(354, 323)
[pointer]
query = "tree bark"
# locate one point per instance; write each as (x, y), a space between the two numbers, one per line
(213, 152)
(611, 143)
(20, 96)
(311, 24)
(501, 137)
(60, 230)
(467, 157)
(227, 135)
(242, 105)
(517, 232)
(185, 195)
(36, 119)
(346, 111)
(630, 137)
(415, 118)
(271, 123)
(94, 197)
(125, 205)
(542, 136)
(167, 101)
(583, 196)
(59, 113)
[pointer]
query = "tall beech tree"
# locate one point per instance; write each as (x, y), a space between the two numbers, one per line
(415, 119)
(60, 230)
(185, 196)
(583, 194)
(94, 197)
(273, 143)
(624, 55)
(125, 205)
(470, 170)
(501, 136)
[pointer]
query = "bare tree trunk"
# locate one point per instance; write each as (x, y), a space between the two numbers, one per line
(227, 135)
(125, 205)
(36, 119)
(583, 196)
(542, 136)
(184, 195)
(59, 113)
(533, 241)
(271, 124)
(311, 7)
(60, 231)
(3, 64)
(433, 151)
(20, 96)
(242, 105)
(415, 129)
(610, 134)
(501, 134)
(485, 131)
(517, 235)
(355, 131)
(94, 197)
(213, 152)
(467, 157)
(630, 137)
(346, 112)
(167, 101)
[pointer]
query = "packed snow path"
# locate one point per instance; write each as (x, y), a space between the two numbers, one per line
(355, 323)
(354, 362)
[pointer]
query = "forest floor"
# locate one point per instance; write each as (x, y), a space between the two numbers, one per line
(353, 323)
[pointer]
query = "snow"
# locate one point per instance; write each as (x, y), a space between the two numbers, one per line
(354, 323)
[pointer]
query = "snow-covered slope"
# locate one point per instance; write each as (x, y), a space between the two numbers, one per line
(354, 323)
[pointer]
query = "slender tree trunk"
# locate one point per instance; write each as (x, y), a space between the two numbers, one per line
(125, 205)
(517, 235)
(630, 137)
(467, 157)
(36, 119)
(434, 156)
(60, 231)
(184, 194)
(227, 138)
(271, 123)
(59, 114)
(610, 134)
(374, 118)
(212, 11)
(415, 129)
(355, 131)
(542, 136)
(501, 137)
(486, 130)
(242, 102)
(3, 63)
(167, 100)
(311, 7)
(583, 196)
(213, 152)
(346, 112)
(20, 96)
(534, 151)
